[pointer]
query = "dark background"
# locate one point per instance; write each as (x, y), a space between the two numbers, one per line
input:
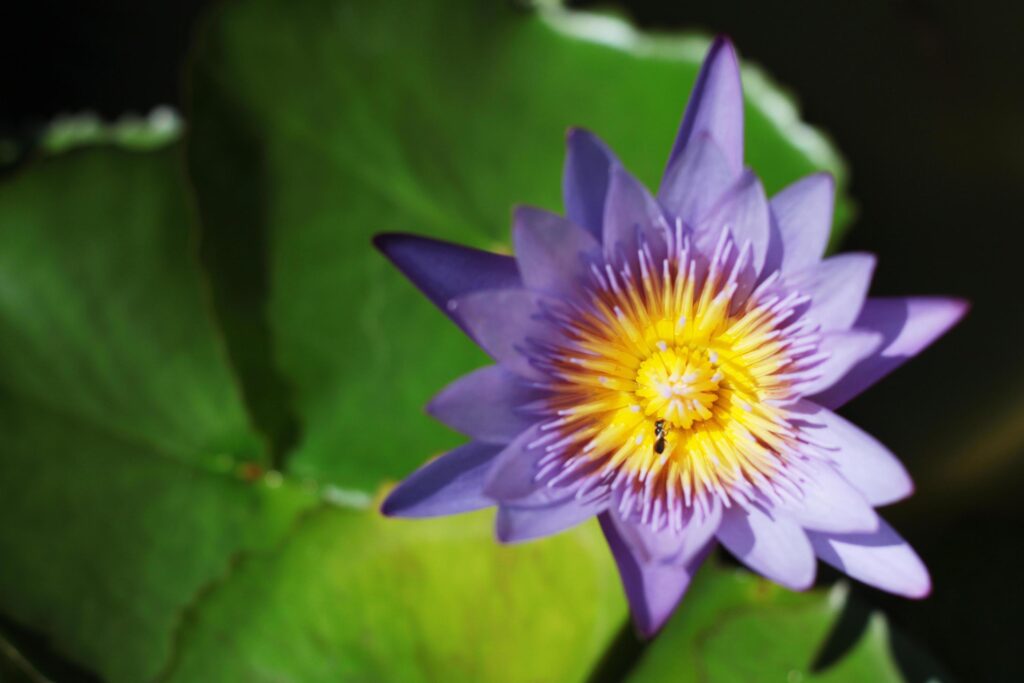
(924, 99)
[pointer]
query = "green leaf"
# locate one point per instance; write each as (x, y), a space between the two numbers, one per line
(353, 596)
(430, 117)
(734, 627)
(120, 424)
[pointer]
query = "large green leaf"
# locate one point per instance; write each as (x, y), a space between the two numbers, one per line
(735, 628)
(317, 124)
(356, 597)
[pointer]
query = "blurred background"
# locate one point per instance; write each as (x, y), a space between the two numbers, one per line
(922, 100)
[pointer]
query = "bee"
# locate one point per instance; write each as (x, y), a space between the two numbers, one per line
(659, 437)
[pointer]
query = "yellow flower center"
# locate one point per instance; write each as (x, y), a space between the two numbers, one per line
(678, 385)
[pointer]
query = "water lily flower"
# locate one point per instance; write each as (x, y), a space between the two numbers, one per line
(670, 363)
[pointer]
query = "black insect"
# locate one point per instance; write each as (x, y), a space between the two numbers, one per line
(659, 437)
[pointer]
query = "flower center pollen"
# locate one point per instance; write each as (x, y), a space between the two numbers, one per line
(678, 385)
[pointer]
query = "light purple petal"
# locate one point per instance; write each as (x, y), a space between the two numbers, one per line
(653, 589)
(907, 325)
(501, 321)
(803, 212)
(838, 287)
(845, 349)
(553, 254)
(829, 502)
(515, 523)
(864, 462)
(696, 180)
(487, 405)
(716, 105)
(513, 478)
(670, 546)
(881, 559)
(585, 179)
(632, 212)
(776, 547)
(444, 271)
(744, 212)
(447, 485)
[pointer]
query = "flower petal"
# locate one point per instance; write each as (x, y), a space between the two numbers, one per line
(552, 253)
(907, 325)
(515, 523)
(838, 286)
(845, 349)
(776, 547)
(716, 105)
(486, 405)
(881, 559)
(513, 478)
(803, 212)
(447, 485)
(444, 271)
(670, 546)
(653, 588)
(501, 321)
(585, 179)
(864, 462)
(696, 180)
(829, 502)
(631, 212)
(744, 212)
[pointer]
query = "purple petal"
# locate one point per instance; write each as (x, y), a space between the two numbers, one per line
(501, 321)
(552, 253)
(696, 180)
(907, 325)
(716, 105)
(513, 478)
(881, 559)
(803, 212)
(744, 212)
(838, 286)
(776, 547)
(864, 462)
(515, 523)
(447, 485)
(444, 271)
(631, 212)
(674, 547)
(585, 179)
(652, 588)
(829, 502)
(845, 349)
(486, 405)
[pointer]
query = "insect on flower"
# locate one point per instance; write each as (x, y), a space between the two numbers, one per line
(670, 364)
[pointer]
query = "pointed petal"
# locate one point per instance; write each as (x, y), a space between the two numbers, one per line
(552, 253)
(907, 325)
(444, 271)
(669, 546)
(486, 405)
(653, 589)
(774, 546)
(447, 485)
(632, 212)
(716, 105)
(501, 321)
(829, 502)
(881, 559)
(845, 349)
(696, 180)
(838, 287)
(585, 179)
(515, 524)
(744, 212)
(513, 477)
(864, 462)
(803, 212)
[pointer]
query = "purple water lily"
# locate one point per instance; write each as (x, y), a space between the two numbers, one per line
(670, 364)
